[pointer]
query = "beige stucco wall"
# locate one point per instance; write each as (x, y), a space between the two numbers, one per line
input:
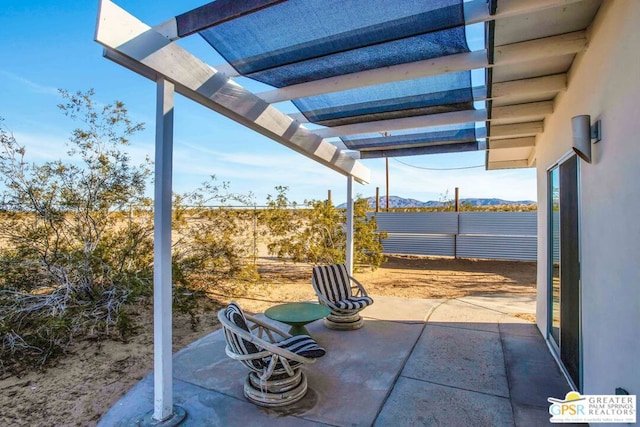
(604, 82)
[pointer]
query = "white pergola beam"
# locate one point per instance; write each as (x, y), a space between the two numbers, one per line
(521, 111)
(227, 69)
(546, 47)
(169, 29)
(509, 164)
(475, 12)
(414, 70)
(456, 117)
(148, 52)
(534, 86)
(508, 54)
(540, 85)
(498, 144)
(508, 8)
(516, 130)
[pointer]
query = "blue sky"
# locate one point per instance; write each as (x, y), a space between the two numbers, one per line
(48, 44)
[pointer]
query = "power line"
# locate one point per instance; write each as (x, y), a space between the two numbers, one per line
(438, 169)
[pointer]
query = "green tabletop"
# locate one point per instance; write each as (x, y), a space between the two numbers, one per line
(297, 314)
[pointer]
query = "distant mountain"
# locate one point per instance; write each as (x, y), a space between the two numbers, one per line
(401, 202)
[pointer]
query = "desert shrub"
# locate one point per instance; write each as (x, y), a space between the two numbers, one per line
(316, 233)
(367, 240)
(283, 222)
(75, 258)
(65, 264)
(212, 245)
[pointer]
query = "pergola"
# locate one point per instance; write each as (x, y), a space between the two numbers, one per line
(370, 79)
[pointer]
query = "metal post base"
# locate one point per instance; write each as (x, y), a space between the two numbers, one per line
(179, 415)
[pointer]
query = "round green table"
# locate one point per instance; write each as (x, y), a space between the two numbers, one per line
(297, 315)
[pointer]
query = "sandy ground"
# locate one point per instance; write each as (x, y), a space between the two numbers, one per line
(86, 383)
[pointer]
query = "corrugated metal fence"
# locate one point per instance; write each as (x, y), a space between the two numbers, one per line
(491, 235)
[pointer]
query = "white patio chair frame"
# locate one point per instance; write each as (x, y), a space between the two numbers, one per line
(271, 385)
(341, 318)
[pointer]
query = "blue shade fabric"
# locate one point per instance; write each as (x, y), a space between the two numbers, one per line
(283, 43)
(217, 12)
(305, 40)
(428, 136)
(440, 139)
(416, 151)
(430, 95)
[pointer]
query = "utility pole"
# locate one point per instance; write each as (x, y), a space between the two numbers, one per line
(386, 159)
(457, 199)
(387, 164)
(455, 236)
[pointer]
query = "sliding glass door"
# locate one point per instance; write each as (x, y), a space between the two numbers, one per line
(564, 265)
(554, 255)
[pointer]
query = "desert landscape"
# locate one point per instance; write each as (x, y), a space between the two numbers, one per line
(85, 383)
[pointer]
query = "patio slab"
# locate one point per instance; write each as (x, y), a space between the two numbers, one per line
(463, 358)
(504, 303)
(466, 315)
(468, 364)
(402, 309)
(204, 408)
(419, 403)
(518, 327)
(363, 381)
(527, 357)
(363, 378)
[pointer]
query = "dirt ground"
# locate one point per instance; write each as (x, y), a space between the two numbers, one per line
(86, 383)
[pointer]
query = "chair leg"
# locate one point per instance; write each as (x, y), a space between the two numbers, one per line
(344, 322)
(274, 393)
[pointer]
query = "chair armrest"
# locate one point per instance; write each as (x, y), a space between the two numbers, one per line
(261, 343)
(264, 327)
(358, 286)
(282, 352)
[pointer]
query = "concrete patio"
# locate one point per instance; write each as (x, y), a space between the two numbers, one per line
(456, 362)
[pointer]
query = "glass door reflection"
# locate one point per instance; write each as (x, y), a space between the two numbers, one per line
(554, 250)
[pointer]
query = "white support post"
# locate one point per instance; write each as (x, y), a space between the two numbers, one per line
(162, 316)
(349, 225)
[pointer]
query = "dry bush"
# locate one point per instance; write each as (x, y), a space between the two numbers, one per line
(75, 261)
(316, 234)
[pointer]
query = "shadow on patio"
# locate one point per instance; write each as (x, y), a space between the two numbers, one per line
(416, 362)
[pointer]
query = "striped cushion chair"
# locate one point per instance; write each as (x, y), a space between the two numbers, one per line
(273, 357)
(343, 294)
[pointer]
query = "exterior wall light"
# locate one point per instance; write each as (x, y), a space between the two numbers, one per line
(583, 134)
